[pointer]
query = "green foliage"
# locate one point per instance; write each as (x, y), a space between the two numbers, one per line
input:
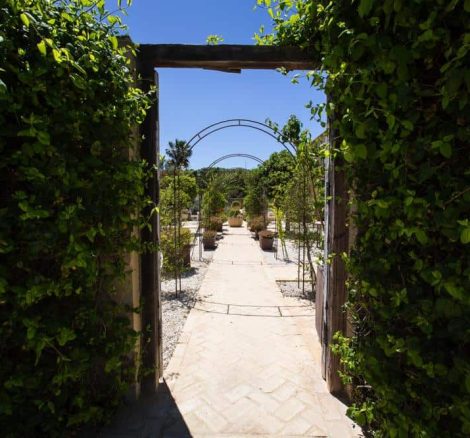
(178, 155)
(214, 40)
(213, 201)
(214, 223)
(173, 258)
(186, 191)
(232, 182)
(257, 224)
(398, 80)
(70, 202)
(234, 212)
(275, 173)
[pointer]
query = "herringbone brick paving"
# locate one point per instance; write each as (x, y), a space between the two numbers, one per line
(247, 363)
(244, 365)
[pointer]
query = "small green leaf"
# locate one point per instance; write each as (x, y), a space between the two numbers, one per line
(42, 47)
(466, 6)
(24, 19)
(407, 124)
(360, 131)
(364, 7)
(56, 55)
(114, 42)
(445, 149)
(465, 236)
(360, 151)
(421, 236)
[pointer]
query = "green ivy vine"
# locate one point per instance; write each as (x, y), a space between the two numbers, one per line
(70, 198)
(397, 75)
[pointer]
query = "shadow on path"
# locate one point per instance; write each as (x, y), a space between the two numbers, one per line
(157, 416)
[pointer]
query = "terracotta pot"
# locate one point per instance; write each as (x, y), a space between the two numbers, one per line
(235, 221)
(266, 243)
(209, 242)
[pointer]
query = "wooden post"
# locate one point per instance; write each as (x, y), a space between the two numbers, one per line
(337, 243)
(337, 293)
(151, 309)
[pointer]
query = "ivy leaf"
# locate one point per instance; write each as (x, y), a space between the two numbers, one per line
(65, 335)
(360, 131)
(56, 55)
(465, 236)
(24, 19)
(453, 289)
(364, 7)
(114, 42)
(42, 47)
(445, 149)
(360, 151)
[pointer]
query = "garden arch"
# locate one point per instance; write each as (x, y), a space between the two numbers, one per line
(226, 157)
(244, 123)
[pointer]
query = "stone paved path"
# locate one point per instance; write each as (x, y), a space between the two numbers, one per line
(247, 363)
(243, 365)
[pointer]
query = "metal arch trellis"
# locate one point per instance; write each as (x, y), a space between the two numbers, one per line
(246, 123)
(211, 165)
(226, 157)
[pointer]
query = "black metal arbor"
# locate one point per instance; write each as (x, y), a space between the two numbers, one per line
(226, 157)
(216, 127)
(243, 123)
(211, 165)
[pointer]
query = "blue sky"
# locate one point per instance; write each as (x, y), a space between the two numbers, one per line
(191, 99)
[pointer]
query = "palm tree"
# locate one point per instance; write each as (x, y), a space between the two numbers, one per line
(178, 154)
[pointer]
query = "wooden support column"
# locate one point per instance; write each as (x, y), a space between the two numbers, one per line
(151, 308)
(335, 285)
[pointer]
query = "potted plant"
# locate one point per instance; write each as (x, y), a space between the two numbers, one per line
(266, 239)
(235, 219)
(209, 238)
(257, 224)
(214, 223)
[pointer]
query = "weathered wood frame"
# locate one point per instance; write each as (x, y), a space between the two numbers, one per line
(232, 59)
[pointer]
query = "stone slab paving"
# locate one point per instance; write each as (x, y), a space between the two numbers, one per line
(247, 363)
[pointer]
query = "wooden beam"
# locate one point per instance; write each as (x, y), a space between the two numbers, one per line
(226, 57)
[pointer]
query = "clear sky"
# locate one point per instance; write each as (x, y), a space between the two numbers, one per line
(191, 99)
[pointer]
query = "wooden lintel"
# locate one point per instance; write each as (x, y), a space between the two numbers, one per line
(226, 57)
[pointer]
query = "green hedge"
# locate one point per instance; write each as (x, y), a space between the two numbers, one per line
(69, 198)
(398, 77)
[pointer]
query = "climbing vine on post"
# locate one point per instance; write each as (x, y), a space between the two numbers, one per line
(70, 202)
(397, 75)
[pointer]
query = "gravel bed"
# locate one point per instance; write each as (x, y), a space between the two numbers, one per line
(175, 310)
(291, 289)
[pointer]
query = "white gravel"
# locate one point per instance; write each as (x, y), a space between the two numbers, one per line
(175, 309)
(294, 290)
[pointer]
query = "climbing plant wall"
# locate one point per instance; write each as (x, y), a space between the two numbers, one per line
(70, 198)
(397, 75)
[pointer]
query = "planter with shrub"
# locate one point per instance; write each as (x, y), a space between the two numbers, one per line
(209, 238)
(257, 224)
(215, 223)
(266, 239)
(235, 219)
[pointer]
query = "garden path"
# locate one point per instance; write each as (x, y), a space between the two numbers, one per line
(248, 361)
